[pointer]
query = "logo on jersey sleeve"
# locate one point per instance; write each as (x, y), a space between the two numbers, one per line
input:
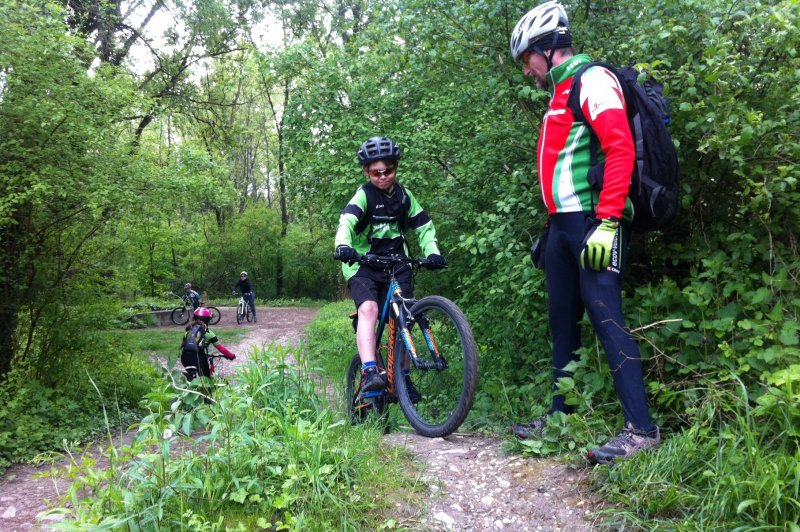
(603, 91)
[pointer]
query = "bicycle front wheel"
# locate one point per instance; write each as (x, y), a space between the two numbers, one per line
(180, 315)
(216, 315)
(360, 409)
(239, 313)
(440, 388)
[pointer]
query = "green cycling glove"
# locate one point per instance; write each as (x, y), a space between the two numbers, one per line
(598, 244)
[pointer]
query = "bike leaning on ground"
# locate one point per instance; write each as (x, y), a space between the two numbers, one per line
(243, 309)
(432, 340)
(181, 315)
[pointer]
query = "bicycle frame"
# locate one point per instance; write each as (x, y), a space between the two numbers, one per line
(392, 315)
(441, 399)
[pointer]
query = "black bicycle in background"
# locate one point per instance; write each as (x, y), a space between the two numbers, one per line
(430, 338)
(181, 315)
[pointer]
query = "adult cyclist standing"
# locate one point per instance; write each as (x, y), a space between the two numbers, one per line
(589, 229)
(243, 285)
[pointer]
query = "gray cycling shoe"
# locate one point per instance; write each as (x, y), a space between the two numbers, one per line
(625, 444)
(532, 429)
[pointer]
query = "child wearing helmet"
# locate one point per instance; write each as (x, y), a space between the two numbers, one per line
(375, 221)
(194, 347)
(193, 295)
(244, 286)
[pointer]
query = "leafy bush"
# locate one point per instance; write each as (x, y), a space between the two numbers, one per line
(264, 454)
(36, 418)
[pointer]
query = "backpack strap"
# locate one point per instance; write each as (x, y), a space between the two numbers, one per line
(373, 196)
(574, 105)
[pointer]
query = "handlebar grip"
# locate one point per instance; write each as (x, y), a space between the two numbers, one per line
(430, 266)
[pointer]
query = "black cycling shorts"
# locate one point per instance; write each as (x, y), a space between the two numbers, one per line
(366, 289)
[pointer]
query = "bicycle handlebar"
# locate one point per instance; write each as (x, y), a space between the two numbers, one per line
(373, 259)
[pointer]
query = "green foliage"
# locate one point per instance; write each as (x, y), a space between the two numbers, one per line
(712, 299)
(725, 472)
(265, 454)
(39, 417)
(331, 341)
(122, 183)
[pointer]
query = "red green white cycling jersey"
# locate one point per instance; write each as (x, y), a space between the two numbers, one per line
(564, 144)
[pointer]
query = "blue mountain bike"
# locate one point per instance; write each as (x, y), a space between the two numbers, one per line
(432, 341)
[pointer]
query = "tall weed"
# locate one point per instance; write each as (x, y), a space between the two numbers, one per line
(731, 470)
(260, 453)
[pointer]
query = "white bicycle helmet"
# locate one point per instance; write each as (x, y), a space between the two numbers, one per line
(541, 21)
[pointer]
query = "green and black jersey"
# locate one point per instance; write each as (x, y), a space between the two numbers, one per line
(380, 228)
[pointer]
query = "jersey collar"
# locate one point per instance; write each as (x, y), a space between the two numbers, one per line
(565, 70)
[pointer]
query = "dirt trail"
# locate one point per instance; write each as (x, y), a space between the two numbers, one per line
(24, 498)
(472, 484)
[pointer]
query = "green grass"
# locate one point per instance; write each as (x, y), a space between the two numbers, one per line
(330, 341)
(266, 453)
(165, 342)
(730, 470)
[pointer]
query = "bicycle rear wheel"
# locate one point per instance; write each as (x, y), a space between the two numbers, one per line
(360, 409)
(446, 373)
(216, 315)
(180, 315)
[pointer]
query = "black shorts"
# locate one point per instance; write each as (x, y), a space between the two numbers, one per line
(367, 289)
(198, 360)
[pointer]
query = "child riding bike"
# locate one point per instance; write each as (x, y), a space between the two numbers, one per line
(194, 347)
(374, 221)
(192, 295)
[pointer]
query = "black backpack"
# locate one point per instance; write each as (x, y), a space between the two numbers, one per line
(655, 183)
(375, 196)
(194, 341)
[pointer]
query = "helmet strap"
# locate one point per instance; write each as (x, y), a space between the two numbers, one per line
(559, 40)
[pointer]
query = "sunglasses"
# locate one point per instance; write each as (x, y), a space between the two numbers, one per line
(381, 173)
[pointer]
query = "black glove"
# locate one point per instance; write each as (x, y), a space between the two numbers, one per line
(437, 261)
(346, 254)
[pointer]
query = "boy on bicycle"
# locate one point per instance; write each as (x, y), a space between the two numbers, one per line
(374, 221)
(192, 295)
(194, 347)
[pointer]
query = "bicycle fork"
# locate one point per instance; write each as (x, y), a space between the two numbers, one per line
(439, 363)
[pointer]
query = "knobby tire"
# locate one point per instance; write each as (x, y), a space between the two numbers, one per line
(180, 315)
(216, 315)
(448, 394)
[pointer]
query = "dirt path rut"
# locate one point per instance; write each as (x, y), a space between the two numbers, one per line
(472, 484)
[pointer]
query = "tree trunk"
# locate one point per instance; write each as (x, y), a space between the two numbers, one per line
(11, 294)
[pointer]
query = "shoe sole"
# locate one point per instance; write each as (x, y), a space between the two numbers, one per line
(600, 459)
